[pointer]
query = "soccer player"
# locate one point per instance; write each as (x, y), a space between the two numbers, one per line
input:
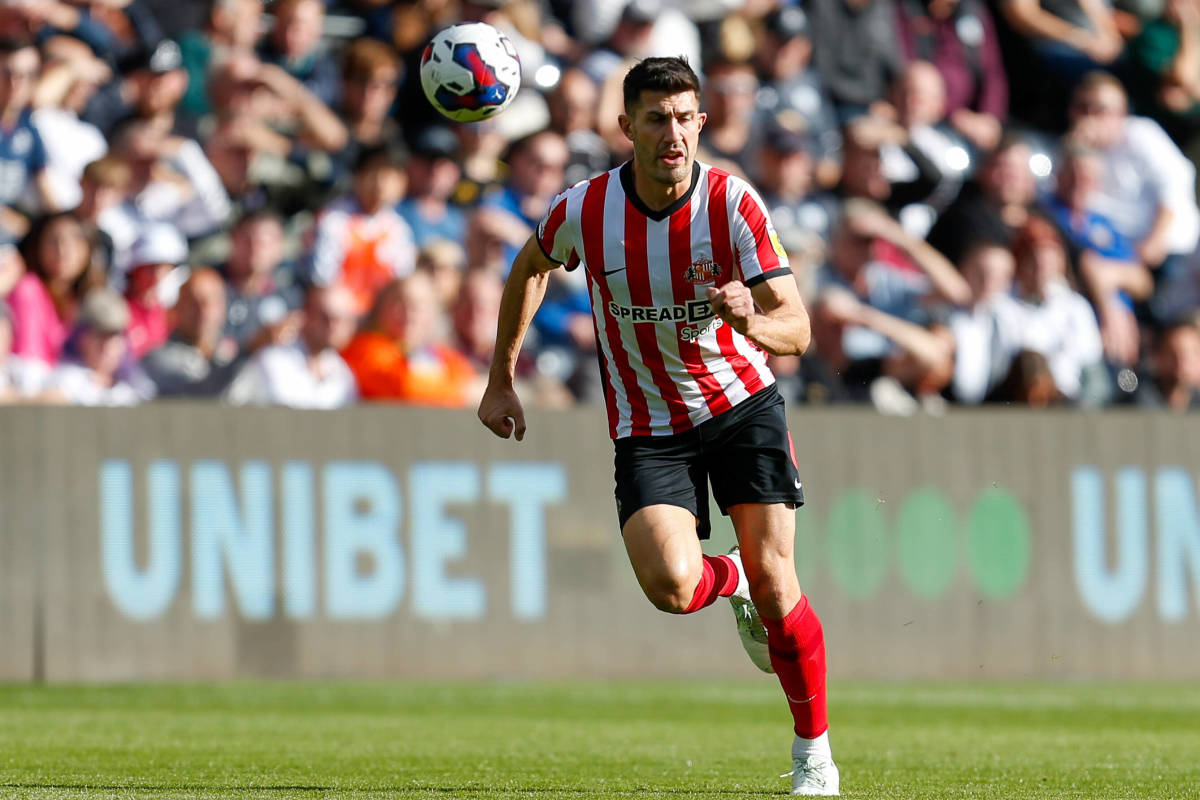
(689, 287)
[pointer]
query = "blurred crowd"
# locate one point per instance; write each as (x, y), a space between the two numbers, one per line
(253, 202)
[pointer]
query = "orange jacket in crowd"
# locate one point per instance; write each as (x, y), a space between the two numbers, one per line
(435, 376)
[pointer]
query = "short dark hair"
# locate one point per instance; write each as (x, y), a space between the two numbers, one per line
(671, 75)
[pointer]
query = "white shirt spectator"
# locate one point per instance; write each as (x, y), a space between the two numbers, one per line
(986, 338)
(1063, 328)
(198, 205)
(78, 386)
(1143, 172)
(71, 144)
(23, 377)
(281, 375)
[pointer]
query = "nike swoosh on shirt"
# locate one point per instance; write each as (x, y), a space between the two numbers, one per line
(613, 271)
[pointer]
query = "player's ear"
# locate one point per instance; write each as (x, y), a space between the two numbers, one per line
(626, 126)
(701, 118)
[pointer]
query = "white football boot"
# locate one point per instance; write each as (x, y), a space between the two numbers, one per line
(749, 624)
(813, 772)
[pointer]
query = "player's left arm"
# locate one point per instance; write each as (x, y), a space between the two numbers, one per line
(771, 314)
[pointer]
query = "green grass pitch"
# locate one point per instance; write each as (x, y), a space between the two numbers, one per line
(592, 740)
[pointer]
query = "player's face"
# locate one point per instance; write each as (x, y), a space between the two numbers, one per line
(665, 131)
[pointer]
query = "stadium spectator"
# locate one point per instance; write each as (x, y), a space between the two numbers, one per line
(20, 378)
(1173, 381)
(856, 48)
(308, 372)
(803, 217)
(371, 73)
(400, 354)
(361, 242)
(232, 26)
(196, 360)
(433, 175)
(959, 38)
(104, 188)
(1069, 37)
(172, 181)
(45, 301)
(445, 263)
(70, 75)
(22, 152)
(294, 43)
(474, 314)
(1057, 321)
(152, 285)
(729, 137)
(988, 328)
(96, 369)
(262, 297)
(150, 88)
(993, 206)
(536, 166)
(863, 176)
(572, 107)
(1164, 75)
(793, 92)
(1147, 187)
(918, 101)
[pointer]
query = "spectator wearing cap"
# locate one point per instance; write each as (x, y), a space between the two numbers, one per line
(803, 215)
(307, 372)
(294, 43)
(45, 301)
(152, 285)
(400, 354)
(150, 87)
(22, 152)
(793, 90)
(433, 175)
(197, 360)
(959, 38)
(360, 241)
(97, 370)
(263, 298)
(856, 49)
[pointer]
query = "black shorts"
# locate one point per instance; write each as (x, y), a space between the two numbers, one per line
(746, 453)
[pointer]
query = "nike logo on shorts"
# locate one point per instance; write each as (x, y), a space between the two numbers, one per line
(798, 484)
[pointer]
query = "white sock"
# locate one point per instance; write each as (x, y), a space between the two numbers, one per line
(804, 748)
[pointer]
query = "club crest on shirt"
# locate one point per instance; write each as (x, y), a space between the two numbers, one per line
(702, 272)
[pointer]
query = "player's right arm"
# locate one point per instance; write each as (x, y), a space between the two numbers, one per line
(500, 409)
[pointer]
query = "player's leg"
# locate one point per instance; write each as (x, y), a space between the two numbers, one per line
(664, 550)
(795, 639)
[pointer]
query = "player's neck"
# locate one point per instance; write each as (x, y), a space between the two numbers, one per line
(657, 196)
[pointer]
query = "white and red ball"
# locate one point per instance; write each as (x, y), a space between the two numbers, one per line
(470, 71)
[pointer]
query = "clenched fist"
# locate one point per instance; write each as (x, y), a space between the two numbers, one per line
(733, 303)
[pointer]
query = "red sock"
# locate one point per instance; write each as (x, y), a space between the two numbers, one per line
(797, 647)
(718, 578)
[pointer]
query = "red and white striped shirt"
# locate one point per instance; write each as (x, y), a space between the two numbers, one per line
(668, 362)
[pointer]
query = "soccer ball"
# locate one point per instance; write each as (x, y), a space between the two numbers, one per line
(470, 72)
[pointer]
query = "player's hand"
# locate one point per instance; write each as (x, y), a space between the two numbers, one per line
(501, 412)
(733, 303)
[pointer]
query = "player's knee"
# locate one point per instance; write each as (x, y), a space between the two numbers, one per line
(772, 589)
(670, 593)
